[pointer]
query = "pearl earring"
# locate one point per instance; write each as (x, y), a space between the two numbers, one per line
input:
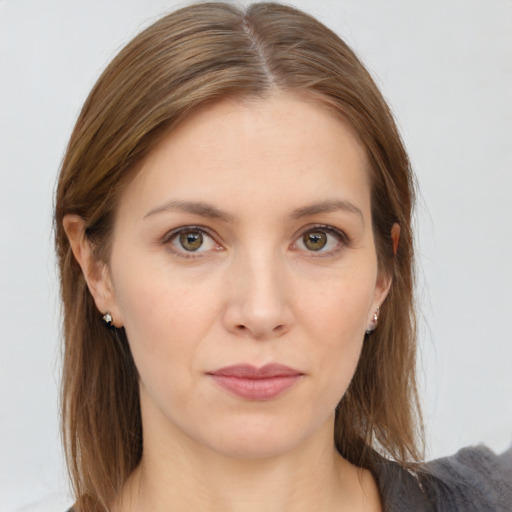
(375, 321)
(107, 318)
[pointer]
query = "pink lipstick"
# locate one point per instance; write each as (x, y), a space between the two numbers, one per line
(253, 383)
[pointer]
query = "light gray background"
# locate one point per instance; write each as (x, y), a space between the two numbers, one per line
(446, 69)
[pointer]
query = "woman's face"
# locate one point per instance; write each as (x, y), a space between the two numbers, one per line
(244, 271)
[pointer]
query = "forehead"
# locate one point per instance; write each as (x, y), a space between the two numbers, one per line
(265, 150)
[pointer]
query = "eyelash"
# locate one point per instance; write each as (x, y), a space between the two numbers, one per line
(342, 238)
(175, 233)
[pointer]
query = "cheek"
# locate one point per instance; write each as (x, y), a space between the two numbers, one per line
(165, 317)
(339, 307)
(335, 320)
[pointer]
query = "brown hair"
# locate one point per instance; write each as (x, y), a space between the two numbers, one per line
(199, 54)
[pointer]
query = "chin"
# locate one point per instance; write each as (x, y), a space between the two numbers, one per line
(256, 439)
(254, 447)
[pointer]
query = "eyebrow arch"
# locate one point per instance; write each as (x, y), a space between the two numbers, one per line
(194, 207)
(327, 207)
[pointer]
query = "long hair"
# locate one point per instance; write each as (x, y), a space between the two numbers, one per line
(199, 54)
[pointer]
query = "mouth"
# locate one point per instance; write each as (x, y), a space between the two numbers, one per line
(257, 384)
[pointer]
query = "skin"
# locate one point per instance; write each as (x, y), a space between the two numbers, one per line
(253, 292)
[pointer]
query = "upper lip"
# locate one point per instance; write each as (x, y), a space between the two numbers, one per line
(248, 371)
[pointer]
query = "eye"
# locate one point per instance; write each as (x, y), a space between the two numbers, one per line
(322, 239)
(190, 240)
(315, 240)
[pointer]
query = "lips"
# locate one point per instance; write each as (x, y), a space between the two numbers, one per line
(253, 383)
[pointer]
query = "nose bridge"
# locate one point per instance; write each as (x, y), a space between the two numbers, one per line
(258, 299)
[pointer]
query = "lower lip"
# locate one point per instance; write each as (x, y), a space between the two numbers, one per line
(256, 389)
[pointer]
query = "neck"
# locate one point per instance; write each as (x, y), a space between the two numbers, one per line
(189, 476)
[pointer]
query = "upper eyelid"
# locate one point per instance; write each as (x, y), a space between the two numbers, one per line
(173, 232)
(323, 227)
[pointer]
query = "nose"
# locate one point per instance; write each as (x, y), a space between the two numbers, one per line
(258, 304)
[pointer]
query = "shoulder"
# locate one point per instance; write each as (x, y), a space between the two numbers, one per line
(474, 479)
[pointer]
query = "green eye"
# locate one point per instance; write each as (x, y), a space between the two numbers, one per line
(322, 240)
(191, 240)
(315, 240)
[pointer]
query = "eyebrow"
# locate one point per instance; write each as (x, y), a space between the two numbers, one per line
(207, 210)
(194, 207)
(328, 206)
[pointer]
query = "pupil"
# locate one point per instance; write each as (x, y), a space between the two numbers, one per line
(191, 241)
(315, 241)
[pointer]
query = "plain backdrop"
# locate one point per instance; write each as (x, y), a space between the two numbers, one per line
(445, 68)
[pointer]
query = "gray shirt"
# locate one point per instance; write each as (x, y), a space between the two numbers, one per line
(472, 480)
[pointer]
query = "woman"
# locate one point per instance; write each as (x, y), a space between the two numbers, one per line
(233, 226)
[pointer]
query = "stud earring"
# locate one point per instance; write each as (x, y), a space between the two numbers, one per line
(107, 318)
(375, 321)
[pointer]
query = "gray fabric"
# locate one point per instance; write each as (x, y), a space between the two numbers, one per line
(399, 489)
(472, 480)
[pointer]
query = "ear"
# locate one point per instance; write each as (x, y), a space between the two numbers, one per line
(96, 273)
(383, 283)
(382, 287)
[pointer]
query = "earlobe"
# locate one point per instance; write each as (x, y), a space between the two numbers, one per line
(382, 288)
(384, 281)
(372, 324)
(95, 272)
